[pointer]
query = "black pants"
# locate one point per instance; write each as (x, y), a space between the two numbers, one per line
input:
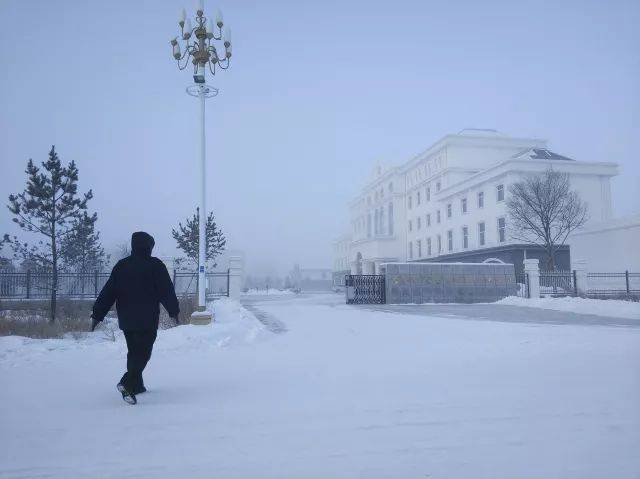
(139, 346)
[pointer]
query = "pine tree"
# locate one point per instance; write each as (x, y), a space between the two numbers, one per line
(187, 238)
(81, 249)
(48, 206)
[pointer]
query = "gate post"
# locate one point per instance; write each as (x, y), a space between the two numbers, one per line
(235, 277)
(532, 270)
(626, 277)
(580, 277)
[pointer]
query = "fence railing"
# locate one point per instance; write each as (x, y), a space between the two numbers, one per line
(522, 280)
(558, 283)
(186, 284)
(38, 285)
(614, 285)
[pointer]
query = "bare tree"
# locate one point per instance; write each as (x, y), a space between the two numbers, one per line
(122, 250)
(543, 211)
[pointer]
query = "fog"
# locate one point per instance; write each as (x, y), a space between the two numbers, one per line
(317, 92)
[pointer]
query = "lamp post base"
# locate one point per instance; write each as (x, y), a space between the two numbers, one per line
(201, 317)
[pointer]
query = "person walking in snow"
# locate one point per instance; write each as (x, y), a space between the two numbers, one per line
(138, 284)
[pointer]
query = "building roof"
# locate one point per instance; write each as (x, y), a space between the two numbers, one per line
(541, 154)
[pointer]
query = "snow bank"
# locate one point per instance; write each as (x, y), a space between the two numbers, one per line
(600, 307)
(233, 325)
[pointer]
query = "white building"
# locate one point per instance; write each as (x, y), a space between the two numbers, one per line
(311, 279)
(609, 246)
(448, 203)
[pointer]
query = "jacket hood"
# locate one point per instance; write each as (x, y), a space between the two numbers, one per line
(141, 244)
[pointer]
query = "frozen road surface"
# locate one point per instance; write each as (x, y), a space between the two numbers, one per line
(307, 387)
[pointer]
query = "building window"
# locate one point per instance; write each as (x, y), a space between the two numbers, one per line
(502, 234)
(465, 237)
(419, 222)
(410, 225)
(410, 250)
(463, 204)
(390, 187)
(500, 192)
(438, 216)
(481, 229)
(381, 221)
(418, 198)
(449, 212)
(481, 199)
(419, 244)
(410, 202)
(428, 193)
(428, 220)
(428, 246)
(390, 219)
(439, 244)
(438, 186)
(450, 240)
(369, 225)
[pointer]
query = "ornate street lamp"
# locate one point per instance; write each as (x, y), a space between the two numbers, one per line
(199, 49)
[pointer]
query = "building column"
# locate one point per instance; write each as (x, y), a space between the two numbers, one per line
(353, 267)
(582, 279)
(532, 269)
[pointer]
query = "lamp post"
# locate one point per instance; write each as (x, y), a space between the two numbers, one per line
(200, 50)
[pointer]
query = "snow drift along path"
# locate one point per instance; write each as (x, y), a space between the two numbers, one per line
(600, 307)
(344, 393)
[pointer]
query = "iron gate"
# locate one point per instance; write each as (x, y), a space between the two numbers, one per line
(365, 289)
(558, 283)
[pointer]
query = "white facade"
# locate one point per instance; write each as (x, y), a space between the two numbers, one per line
(450, 199)
(609, 246)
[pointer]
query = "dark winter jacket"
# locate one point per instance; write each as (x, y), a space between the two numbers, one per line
(137, 285)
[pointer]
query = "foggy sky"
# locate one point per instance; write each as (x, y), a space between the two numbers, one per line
(316, 93)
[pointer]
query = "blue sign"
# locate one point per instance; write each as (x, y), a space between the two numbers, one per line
(202, 269)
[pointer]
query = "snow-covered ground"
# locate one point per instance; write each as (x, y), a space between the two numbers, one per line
(600, 307)
(268, 292)
(345, 392)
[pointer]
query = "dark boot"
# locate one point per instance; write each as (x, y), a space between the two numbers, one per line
(127, 395)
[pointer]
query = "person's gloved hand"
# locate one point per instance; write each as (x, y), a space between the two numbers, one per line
(94, 323)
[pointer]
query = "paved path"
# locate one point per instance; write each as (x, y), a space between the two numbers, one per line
(503, 313)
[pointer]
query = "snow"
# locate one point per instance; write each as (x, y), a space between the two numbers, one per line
(346, 392)
(600, 307)
(270, 292)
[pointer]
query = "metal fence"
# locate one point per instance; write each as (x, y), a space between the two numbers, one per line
(365, 288)
(522, 281)
(186, 284)
(614, 285)
(38, 285)
(558, 283)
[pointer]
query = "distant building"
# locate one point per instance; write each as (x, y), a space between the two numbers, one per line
(341, 266)
(448, 203)
(311, 279)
